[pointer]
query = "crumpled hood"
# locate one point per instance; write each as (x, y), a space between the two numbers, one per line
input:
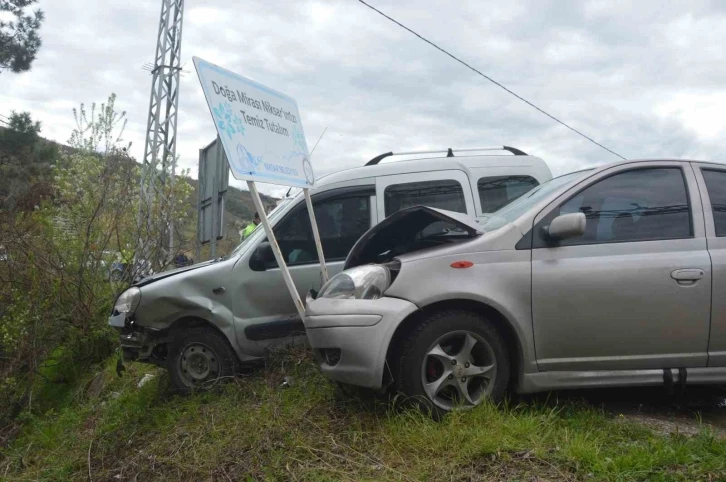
(400, 228)
(166, 274)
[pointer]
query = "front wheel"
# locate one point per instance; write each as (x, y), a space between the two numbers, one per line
(454, 359)
(199, 358)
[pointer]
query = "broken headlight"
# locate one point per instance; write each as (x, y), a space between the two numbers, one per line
(128, 301)
(360, 283)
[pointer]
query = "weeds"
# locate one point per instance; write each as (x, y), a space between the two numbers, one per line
(254, 429)
(69, 225)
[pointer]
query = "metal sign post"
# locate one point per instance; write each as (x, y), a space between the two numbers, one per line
(316, 236)
(261, 131)
(276, 250)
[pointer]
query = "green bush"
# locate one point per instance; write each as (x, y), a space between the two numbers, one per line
(56, 292)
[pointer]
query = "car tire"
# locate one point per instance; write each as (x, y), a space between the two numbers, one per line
(199, 359)
(453, 359)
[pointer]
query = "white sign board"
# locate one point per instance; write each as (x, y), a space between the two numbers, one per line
(260, 128)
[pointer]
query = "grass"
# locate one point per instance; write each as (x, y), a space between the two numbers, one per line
(255, 429)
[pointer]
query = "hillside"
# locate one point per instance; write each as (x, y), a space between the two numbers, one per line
(239, 208)
(284, 421)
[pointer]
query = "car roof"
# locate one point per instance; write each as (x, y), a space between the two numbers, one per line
(463, 163)
(653, 160)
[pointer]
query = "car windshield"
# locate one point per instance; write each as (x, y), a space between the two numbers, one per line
(271, 217)
(515, 209)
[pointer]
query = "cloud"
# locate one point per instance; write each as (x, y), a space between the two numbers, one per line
(644, 79)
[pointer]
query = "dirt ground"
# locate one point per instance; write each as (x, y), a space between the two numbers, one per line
(662, 410)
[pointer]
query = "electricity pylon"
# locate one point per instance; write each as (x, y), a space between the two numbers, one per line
(159, 164)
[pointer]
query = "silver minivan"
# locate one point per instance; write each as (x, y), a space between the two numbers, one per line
(201, 321)
(605, 277)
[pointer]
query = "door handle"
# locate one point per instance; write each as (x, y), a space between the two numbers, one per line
(690, 274)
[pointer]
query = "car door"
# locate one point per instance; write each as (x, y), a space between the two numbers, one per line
(263, 304)
(448, 189)
(712, 184)
(634, 291)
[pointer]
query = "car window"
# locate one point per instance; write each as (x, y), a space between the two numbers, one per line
(341, 221)
(637, 205)
(444, 194)
(716, 187)
(520, 206)
(495, 192)
(274, 214)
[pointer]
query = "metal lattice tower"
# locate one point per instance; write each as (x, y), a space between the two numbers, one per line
(155, 209)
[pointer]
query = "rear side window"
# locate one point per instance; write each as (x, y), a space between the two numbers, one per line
(716, 187)
(495, 192)
(638, 205)
(445, 194)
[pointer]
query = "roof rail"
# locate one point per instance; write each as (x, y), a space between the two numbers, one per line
(449, 153)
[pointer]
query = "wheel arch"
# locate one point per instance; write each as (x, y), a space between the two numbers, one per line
(188, 321)
(502, 323)
(191, 321)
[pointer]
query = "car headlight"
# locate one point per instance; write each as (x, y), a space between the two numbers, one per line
(128, 301)
(360, 283)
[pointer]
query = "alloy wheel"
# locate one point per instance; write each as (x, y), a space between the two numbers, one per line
(459, 370)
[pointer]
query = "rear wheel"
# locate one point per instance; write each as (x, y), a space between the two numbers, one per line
(199, 359)
(454, 359)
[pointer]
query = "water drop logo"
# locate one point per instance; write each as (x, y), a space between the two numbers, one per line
(227, 121)
(247, 160)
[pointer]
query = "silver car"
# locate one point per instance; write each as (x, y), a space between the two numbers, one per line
(200, 321)
(605, 277)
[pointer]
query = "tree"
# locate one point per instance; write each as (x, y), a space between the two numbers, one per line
(21, 132)
(19, 40)
(102, 132)
(25, 163)
(56, 291)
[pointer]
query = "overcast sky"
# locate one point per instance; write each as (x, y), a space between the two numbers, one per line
(646, 78)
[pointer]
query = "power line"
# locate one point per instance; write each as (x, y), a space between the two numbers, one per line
(491, 80)
(316, 144)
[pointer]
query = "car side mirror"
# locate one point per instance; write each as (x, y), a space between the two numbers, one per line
(567, 226)
(262, 255)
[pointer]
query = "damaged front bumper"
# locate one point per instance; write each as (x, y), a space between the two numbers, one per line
(350, 338)
(139, 343)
